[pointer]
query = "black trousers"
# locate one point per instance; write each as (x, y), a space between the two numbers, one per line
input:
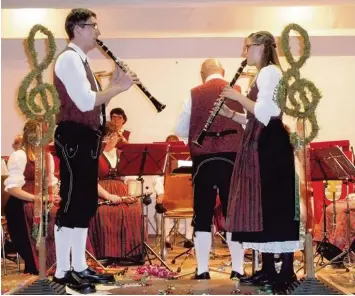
(78, 148)
(211, 175)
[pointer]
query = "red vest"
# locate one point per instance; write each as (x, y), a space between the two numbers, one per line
(69, 111)
(203, 97)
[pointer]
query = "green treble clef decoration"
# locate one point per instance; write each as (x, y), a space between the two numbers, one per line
(304, 105)
(36, 105)
(45, 111)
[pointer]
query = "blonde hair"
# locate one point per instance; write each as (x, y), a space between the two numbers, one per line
(270, 54)
(172, 138)
(30, 137)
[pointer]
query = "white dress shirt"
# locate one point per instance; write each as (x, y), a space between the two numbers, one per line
(111, 156)
(267, 81)
(17, 165)
(265, 107)
(4, 170)
(158, 184)
(70, 70)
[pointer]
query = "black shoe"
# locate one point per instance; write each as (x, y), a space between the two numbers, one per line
(168, 245)
(74, 282)
(237, 275)
(283, 281)
(188, 244)
(92, 276)
(260, 278)
(31, 271)
(202, 276)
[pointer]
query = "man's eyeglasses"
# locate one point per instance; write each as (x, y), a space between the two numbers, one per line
(250, 45)
(95, 26)
(116, 117)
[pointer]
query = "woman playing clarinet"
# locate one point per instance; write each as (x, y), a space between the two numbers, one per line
(261, 210)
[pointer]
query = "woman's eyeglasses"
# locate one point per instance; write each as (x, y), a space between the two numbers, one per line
(250, 45)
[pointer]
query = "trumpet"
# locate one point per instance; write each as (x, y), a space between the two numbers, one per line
(158, 106)
(218, 105)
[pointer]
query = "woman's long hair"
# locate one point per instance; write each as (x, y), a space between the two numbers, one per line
(270, 54)
(31, 137)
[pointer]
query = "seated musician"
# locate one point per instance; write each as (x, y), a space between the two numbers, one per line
(17, 144)
(158, 183)
(19, 209)
(119, 118)
(115, 229)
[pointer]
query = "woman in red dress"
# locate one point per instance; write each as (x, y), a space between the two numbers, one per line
(19, 209)
(115, 230)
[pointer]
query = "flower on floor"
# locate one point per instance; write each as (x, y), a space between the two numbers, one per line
(155, 270)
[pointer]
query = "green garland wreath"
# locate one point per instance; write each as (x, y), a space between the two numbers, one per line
(291, 83)
(26, 101)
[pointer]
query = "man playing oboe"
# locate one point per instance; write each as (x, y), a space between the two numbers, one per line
(77, 142)
(212, 163)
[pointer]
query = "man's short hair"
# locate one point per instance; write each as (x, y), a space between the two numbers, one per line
(76, 17)
(118, 111)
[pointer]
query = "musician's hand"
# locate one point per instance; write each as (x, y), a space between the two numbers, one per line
(129, 200)
(230, 93)
(121, 138)
(123, 79)
(56, 199)
(114, 198)
(160, 199)
(225, 111)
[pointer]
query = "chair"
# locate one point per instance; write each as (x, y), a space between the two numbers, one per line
(3, 251)
(4, 198)
(178, 200)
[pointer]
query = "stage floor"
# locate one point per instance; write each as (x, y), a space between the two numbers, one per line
(134, 283)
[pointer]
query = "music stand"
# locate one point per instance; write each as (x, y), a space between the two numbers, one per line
(144, 160)
(321, 172)
(334, 165)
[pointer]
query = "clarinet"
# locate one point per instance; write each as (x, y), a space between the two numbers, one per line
(158, 106)
(218, 105)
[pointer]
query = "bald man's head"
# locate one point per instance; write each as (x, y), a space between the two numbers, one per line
(209, 67)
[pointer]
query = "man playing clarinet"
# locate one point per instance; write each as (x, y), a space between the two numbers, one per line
(212, 163)
(77, 142)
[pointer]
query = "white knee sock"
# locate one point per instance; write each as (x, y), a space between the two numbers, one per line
(237, 254)
(78, 249)
(63, 238)
(203, 241)
(189, 228)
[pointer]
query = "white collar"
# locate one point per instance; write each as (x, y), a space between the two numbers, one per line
(82, 55)
(214, 76)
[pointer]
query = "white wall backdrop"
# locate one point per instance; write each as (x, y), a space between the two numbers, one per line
(170, 81)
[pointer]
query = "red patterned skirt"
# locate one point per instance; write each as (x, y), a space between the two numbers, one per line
(115, 230)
